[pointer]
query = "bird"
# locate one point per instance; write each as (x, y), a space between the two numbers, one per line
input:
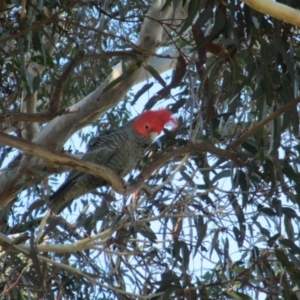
(119, 149)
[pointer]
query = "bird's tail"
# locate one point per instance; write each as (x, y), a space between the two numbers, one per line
(62, 197)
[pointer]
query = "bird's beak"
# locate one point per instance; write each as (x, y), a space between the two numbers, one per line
(153, 135)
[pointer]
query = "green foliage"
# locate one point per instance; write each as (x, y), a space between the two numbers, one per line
(211, 228)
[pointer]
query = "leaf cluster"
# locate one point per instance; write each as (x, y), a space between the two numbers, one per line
(210, 227)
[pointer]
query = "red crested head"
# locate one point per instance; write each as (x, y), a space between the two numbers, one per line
(153, 121)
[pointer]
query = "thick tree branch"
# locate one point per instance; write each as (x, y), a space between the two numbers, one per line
(276, 10)
(55, 134)
(55, 160)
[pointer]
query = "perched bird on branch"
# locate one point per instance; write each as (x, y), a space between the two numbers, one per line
(118, 149)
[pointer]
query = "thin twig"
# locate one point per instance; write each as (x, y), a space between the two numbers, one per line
(38, 24)
(57, 94)
(263, 122)
(31, 117)
(8, 242)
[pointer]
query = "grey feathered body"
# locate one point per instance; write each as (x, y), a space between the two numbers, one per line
(118, 149)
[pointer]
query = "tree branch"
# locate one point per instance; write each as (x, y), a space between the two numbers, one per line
(31, 129)
(38, 24)
(103, 238)
(56, 133)
(276, 10)
(55, 160)
(30, 117)
(8, 243)
(263, 122)
(56, 97)
(138, 182)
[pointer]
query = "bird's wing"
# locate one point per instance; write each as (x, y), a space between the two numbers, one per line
(101, 150)
(101, 139)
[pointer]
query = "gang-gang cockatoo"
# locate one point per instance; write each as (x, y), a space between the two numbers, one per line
(119, 149)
